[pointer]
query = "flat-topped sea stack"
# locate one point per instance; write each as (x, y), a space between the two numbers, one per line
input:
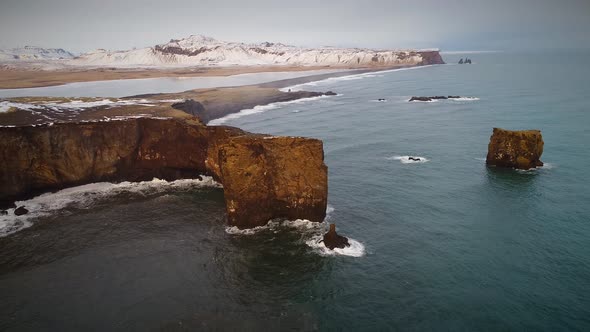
(520, 149)
(264, 177)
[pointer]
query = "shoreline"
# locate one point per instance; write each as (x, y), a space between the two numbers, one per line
(31, 78)
(207, 104)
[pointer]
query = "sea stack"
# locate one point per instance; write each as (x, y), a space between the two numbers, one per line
(520, 149)
(333, 240)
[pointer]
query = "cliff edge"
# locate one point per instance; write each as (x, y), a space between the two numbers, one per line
(264, 177)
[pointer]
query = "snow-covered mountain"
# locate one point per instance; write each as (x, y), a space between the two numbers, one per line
(33, 53)
(198, 50)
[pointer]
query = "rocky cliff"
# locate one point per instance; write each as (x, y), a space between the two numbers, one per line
(521, 149)
(264, 177)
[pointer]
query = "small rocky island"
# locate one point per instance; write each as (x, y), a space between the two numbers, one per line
(520, 149)
(431, 98)
(333, 240)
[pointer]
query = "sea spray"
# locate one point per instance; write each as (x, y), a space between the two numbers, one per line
(312, 233)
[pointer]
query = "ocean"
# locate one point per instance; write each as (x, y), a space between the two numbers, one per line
(442, 244)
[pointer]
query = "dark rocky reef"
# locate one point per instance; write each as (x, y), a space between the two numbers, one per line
(333, 240)
(432, 98)
(264, 177)
(520, 149)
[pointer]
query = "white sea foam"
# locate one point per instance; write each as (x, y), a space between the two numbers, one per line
(261, 109)
(407, 160)
(329, 209)
(234, 230)
(356, 249)
(86, 196)
(545, 167)
(312, 232)
(443, 100)
(464, 99)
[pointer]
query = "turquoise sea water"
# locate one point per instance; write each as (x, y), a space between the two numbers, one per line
(448, 244)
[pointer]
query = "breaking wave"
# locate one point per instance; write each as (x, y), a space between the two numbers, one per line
(356, 248)
(464, 99)
(313, 233)
(86, 196)
(261, 109)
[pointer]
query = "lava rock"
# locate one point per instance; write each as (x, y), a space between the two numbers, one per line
(333, 240)
(420, 99)
(263, 177)
(20, 211)
(270, 177)
(431, 98)
(520, 149)
(191, 107)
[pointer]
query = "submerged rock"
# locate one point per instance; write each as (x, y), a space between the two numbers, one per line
(431, 98)
(333, 240)
(420, 99)
(263, 177)
(20, 211)
(521, 149)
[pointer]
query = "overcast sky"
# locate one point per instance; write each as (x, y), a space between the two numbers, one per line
(82, 25)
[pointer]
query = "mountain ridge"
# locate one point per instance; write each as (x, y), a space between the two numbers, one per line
(204, 51)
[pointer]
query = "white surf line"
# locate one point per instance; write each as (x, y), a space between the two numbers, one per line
(299, 87)
(313, 233)
(262, 108)
(85, 196)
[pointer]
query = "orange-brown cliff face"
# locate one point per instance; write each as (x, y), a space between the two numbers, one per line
(273, 177)
(263, 178)
(521, 149)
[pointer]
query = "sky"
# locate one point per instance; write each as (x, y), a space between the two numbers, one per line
(82, 25)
